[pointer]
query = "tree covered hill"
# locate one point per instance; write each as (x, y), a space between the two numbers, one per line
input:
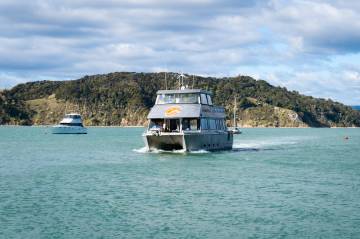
(124, 98)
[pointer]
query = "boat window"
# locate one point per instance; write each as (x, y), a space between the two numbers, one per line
(217, 124)
(212, 124)
(169, 98)
(73, 116)
(209, 100)
(195, 124)
(72, 124)
(160, 99)
(205, 123)
(190, 124)
(185, 98)
(156, 124)
(188, 98)
(203, 99)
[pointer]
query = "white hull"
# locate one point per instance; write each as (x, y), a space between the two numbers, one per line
(61, 129)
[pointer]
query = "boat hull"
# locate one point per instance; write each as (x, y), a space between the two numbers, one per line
(211, 141)
(59, 129)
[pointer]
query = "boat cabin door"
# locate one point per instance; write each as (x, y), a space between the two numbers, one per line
(172, 125)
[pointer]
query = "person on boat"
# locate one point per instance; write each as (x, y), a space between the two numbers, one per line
(158, 126)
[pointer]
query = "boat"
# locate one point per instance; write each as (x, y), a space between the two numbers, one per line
(70, 124)
(235, 129)
(186, 119)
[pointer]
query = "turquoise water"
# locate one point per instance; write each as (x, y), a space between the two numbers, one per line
(276, 183)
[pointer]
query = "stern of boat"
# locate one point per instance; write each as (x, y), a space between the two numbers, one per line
(166, 142)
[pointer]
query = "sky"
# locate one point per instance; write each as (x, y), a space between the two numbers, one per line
(312, 47)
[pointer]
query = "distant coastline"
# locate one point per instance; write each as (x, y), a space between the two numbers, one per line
(124, 99)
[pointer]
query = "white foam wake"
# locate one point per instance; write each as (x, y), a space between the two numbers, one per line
(265, 143)
(141, 150)
(158, 151)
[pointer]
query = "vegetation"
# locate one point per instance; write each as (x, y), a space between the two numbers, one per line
(13, 110)
(124, 98)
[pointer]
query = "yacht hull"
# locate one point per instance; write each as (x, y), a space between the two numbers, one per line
(211, 141)
(59, 129)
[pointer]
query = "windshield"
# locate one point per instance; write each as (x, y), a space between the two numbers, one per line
(187, 98)
(73, 116)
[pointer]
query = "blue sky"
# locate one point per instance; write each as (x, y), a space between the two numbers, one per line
(309, 46)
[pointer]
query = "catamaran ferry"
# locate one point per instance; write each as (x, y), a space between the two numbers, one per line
(186, 119)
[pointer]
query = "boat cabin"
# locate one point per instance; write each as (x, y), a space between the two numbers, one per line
(187, 110)
(72, 120)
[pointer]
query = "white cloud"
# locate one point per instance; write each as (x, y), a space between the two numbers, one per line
(309, 46)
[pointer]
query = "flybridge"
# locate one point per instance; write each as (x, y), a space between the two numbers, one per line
(185, 103)
(185, 96)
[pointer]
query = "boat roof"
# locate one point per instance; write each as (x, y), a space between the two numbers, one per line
(159, 92)
(170, 111)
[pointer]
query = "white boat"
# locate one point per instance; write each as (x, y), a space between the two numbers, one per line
(235, 130)
(70, 124)
(186, 119)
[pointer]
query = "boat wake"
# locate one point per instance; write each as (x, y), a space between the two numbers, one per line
(238, 146)
(265, 144)
(144, 150)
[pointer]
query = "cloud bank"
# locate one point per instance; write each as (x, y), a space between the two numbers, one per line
(309, 46)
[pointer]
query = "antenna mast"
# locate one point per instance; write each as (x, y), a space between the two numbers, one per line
(181, 81)
(235, 112)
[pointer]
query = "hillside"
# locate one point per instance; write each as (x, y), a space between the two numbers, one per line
(124, 98)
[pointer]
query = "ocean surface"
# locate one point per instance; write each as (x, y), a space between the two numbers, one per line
(276, 183)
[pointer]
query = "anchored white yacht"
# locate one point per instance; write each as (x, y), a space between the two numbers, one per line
(70, 124)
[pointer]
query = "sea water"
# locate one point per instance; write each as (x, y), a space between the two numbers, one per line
(275, 183)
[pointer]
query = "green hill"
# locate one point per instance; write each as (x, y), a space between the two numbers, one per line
(124, 98)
